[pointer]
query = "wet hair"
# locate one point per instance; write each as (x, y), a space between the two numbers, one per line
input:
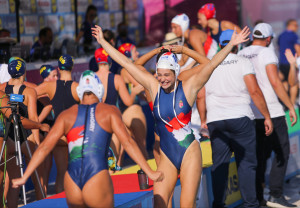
(43, 32)
(90, 8)
(161, 53)
(108, 35)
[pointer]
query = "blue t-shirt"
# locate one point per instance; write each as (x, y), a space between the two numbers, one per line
(287, 39)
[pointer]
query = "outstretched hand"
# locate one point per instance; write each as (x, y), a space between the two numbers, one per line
(241, 37)
(97, 33)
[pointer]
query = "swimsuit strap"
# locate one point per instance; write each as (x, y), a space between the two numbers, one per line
(21, 89)
(175, 87)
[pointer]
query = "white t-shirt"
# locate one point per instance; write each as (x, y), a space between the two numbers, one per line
(4, 75)
(261, 57)
(227, 96)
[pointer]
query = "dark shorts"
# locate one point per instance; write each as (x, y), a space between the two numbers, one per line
(285, 69)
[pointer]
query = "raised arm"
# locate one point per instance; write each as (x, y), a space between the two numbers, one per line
(146, 57)
(143, 77)
(194, 83)
(131, 147)
(202, 60)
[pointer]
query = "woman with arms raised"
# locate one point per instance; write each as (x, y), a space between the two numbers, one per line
(172, 99)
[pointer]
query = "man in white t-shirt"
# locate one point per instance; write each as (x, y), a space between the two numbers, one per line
(265, 63)
(230, 123)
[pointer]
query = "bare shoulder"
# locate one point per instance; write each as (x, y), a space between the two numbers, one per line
(75, 83)
(30, 91)
(197, 34)
(105, 114)
(119, 81)
(74, 91)
(227, 25)
(47, 86)
(118, 77)
(71, 112)
(30, 84)
(123, 72)
(105, 110)
(68, 118)
(48, 83)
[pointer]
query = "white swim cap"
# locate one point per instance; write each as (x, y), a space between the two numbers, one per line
(182, 20)
(168, 61)
(89, 82)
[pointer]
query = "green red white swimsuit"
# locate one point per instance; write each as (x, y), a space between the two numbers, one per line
(88, 146)
(175, 136)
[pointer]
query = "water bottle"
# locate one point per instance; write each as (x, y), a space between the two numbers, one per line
(143, 179)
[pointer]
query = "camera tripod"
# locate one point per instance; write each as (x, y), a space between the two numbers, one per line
(18, 130)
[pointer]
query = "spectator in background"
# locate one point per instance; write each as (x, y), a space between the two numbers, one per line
(114, 87)
(230, 123)
(207, 19)
(6, 43)
(122, 35)
(133, 115)
(41, 48)
(63, 95)
(197, 39)
(265, 63)
(288, 39)
(85, 30)
(109, 36)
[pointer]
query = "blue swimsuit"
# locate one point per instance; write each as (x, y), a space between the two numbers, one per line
(216, 37)
(175, 138)
(88, 146)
